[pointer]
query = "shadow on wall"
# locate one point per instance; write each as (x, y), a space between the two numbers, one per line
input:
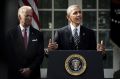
(11, 11)
(115, 21)
(8, 19)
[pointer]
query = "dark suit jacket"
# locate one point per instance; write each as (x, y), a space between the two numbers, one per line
(19, 57)
(64, 39)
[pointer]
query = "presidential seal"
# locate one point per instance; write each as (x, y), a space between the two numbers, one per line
(75, 64)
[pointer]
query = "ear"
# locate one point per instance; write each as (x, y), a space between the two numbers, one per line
(19, 17)
(68, 18)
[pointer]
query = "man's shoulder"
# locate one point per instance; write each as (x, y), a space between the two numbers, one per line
(86, 29)
(64, 28)
(32, 29)
(12, 30)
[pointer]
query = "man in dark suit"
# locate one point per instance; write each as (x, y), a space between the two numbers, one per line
(75, 36)
(25, 48)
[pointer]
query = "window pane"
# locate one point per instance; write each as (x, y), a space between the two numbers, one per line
(45, 18)
(89, 19)
(47, 36)
(45, 62)
(45, 4)
(89, 4)
(108, 62)
(61, 4)
(104, 4)
(60, 19)
(104, 35)
(104, 20)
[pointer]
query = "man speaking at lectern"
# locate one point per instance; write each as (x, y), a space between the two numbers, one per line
(75, 36)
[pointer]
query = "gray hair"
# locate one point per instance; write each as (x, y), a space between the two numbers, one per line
(71, 7)
(23, 9)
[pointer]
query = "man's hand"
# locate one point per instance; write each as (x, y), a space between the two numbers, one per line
(101, 48)
(25, 72)
(52, 45)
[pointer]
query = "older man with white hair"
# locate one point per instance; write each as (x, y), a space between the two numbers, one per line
(25, 47)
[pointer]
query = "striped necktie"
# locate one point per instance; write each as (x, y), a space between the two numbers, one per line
(76, 38)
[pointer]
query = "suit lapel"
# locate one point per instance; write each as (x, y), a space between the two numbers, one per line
(19, 37)
(69, 37)
(32, 38)
(69, 34)
(82, 34)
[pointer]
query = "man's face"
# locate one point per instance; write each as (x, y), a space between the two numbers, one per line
(75, 16)
(26, 18)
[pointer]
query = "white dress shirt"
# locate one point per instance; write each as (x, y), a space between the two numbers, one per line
(27, 30)
(73, 27)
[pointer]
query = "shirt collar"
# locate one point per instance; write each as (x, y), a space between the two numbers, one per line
(22, 28)
(73, 27)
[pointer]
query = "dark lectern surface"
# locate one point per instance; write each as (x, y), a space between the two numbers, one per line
(56, 65)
